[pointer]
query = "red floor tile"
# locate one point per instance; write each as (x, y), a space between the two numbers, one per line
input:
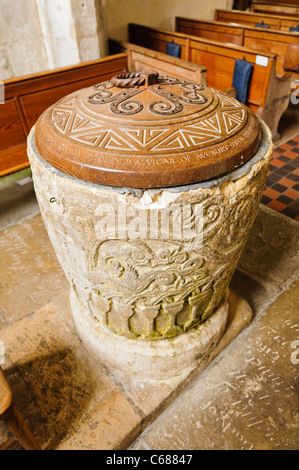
(286, 146)
(287, 182)
(281, 192)
(291, 154)
(277, 205)
(271, 193)
(277, 163)
(292, 193)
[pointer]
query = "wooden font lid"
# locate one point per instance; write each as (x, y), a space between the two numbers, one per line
(144, 131)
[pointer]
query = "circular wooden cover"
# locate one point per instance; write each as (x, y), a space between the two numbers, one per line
(144, 131)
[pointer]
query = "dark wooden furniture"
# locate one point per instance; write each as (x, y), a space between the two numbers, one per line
(260, 39)
(283, 8)
(268, 95)
(282, 23)
(13, 418)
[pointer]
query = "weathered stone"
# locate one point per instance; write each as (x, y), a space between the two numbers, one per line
(30, 273)
(147, 285)
(72, 401)
(49, 35)
(248, 398)
(23, 51)
(272, 250)
(68, 399)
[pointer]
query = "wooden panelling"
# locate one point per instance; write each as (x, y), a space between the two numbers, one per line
(209, 30)
(251, 18)
(263, 40)
(157, 40)
(11, 129)
(282, 8)
(13, 159)
(218, 58)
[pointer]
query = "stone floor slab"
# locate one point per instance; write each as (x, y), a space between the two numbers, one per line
(271, 253)
(248, 398)
(30, 275)
(17, 198)
(72, 401)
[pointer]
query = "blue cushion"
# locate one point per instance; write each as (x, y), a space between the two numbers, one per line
(293, 28)
(262, 25)
(173, 49)
(241, 78)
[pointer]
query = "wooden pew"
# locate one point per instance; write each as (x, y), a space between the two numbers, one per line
(283, 8)
(268, 94)
(260, 39)
(140, 58)
(251, 18)
(27, 97)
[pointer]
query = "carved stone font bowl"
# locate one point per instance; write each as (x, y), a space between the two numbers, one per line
(148, 187)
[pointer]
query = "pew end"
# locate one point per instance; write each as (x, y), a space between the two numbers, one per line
(141, 58)
(291, 60)
(276, 102)
(268, 95)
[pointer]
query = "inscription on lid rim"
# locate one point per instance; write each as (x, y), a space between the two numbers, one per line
(161, 132)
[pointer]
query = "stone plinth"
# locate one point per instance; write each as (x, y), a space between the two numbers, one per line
(149, 269)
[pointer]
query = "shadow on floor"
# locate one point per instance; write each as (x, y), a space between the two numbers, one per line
(53, 393)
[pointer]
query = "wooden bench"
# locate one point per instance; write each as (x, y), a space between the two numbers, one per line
(27, 97)
(260, 39)
(287, 8)
(268, 94)
(140, 58)
(251, 19)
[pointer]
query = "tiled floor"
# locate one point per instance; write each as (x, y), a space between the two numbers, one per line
(282, 186)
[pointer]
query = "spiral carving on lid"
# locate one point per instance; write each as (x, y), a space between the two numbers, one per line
(121, 102)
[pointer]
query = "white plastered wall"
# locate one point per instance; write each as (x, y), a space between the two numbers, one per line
(156, 13)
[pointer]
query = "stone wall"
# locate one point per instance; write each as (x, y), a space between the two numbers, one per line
(156, 13)
(21, 47)
(38, 35)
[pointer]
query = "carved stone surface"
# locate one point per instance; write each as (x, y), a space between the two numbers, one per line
(131, 272)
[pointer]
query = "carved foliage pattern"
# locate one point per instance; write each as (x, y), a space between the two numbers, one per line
(148, 288)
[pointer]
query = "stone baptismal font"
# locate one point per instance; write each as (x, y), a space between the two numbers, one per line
(148, 187)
